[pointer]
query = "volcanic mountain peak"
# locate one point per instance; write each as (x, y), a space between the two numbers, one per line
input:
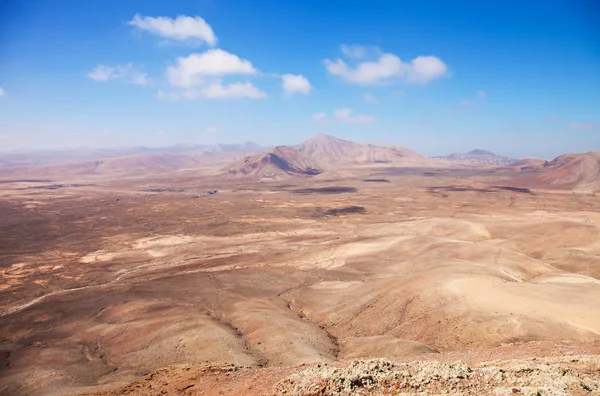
(481, 152)
(328, 148)
(282, 161)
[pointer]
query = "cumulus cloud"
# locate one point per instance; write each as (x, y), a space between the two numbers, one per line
(345, 115)
(387, 68)
(235, 90)
(426, 68)
(482, 94)
(319, 117)
(584, 126)
(2, 92)
(191, 70)
(103, 73)
(293, 84)
(182, 28)
(218, 90)
(369, 98)
(126, 72)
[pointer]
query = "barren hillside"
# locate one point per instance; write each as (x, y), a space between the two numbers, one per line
(280, 162)
(331, 150)
(572, 171)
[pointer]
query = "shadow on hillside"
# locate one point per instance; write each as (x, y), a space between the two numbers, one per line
(325, 190)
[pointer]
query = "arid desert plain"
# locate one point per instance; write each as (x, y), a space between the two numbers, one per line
(325, 268)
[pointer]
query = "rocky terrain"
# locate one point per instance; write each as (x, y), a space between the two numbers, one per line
(119, 282)
(572, 375)
(563, 372)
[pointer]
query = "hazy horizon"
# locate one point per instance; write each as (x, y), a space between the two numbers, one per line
(435, 77)
(193, 145)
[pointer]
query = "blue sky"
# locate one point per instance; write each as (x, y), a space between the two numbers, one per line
(519, 78)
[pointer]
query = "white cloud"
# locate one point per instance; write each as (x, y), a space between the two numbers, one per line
(369, 98)
(398, 94)
(295, 84)
(584, 126)
(358, 51)
(367, 72)
(140, 79)
(5, 136)
(426, 68)
(345, 116)
(181, 28)
(2, 92)
(482, 94)
(210, 129)
(103, 73)
(160, 133)
(166, 96)
(319, 117)
(387, 68)
(217, 90)
(465, 103)
(235, 90)
(190, 71)
(127, 72)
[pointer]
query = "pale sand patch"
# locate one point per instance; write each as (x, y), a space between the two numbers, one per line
(21, 270)
(333, 285)
(548, 302)
(338, 256)
(99, 255)
(449, 228)
(156, 252)
(162, 241)
(566, 278)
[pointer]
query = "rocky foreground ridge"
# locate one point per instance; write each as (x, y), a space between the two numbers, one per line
(537, 376)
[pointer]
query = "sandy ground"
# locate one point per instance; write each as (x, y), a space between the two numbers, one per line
(107, 284)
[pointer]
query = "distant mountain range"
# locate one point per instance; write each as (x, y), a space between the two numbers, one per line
(322, 156)
(56, 156)
(480, 157)
(322, 153)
